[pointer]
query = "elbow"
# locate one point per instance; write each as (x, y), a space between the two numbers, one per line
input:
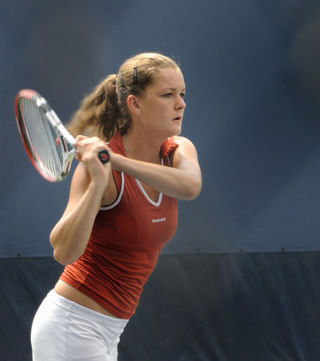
(60, 255)
(62, 258)
(193, 189)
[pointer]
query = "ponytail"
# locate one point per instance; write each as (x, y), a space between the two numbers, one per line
(99, 113)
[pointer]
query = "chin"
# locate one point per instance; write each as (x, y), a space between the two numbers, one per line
(172, 131)
(177, 131)
(173, 134)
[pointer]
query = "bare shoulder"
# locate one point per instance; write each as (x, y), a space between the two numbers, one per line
(182, 140)
(185, 154)
(185, 145)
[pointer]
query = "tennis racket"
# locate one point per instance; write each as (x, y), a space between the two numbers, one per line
(49, 145)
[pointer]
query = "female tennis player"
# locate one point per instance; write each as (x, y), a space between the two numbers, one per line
(120, 214)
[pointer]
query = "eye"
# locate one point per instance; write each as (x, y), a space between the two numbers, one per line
(167, 95)
(182, 94)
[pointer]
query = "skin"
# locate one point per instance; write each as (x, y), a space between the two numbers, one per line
(156, 115)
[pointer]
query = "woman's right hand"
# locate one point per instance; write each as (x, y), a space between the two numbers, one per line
(87, 149)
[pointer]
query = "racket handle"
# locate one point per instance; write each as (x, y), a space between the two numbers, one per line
(104, 156)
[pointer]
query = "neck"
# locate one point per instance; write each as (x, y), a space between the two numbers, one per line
(142, 147)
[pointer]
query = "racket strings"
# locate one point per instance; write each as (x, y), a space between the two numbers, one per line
(48, 154)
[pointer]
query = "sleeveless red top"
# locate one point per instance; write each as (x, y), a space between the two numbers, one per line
(125, 242)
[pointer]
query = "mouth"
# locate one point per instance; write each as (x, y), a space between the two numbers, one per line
(177, 118)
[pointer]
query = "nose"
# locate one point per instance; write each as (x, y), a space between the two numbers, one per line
(180, 104)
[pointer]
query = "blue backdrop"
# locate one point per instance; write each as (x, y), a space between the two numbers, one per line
(252, 75)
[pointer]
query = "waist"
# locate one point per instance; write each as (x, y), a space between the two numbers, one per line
(65, 290)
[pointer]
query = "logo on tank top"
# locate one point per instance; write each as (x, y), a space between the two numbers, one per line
(158, 220)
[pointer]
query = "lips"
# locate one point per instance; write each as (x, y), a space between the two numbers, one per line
(177, 118)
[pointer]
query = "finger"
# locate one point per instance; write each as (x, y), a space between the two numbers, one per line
(80, 138)
(77, 155)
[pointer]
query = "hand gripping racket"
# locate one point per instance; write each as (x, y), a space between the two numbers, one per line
(49, 145)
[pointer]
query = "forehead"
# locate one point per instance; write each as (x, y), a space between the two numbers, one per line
(169, 78)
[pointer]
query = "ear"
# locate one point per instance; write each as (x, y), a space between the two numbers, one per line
(133, 104)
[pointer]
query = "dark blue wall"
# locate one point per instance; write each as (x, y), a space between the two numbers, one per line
(251, 111)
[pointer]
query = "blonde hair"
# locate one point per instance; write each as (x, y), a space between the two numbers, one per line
(104, 112)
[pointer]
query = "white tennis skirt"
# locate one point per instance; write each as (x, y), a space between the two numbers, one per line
(62, 330)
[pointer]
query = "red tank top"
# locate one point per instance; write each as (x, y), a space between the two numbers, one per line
(125, 242)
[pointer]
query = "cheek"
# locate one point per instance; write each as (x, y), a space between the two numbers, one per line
(158, 111)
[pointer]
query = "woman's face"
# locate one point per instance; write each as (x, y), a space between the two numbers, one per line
(162, 105)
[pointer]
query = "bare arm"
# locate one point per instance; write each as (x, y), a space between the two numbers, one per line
(70, 235)
(182, 181)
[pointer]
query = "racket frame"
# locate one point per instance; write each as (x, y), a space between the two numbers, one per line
(65, 138)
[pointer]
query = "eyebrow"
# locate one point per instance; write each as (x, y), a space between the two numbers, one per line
(173, 89)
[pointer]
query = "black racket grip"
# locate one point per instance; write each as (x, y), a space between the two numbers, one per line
(104, 156)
